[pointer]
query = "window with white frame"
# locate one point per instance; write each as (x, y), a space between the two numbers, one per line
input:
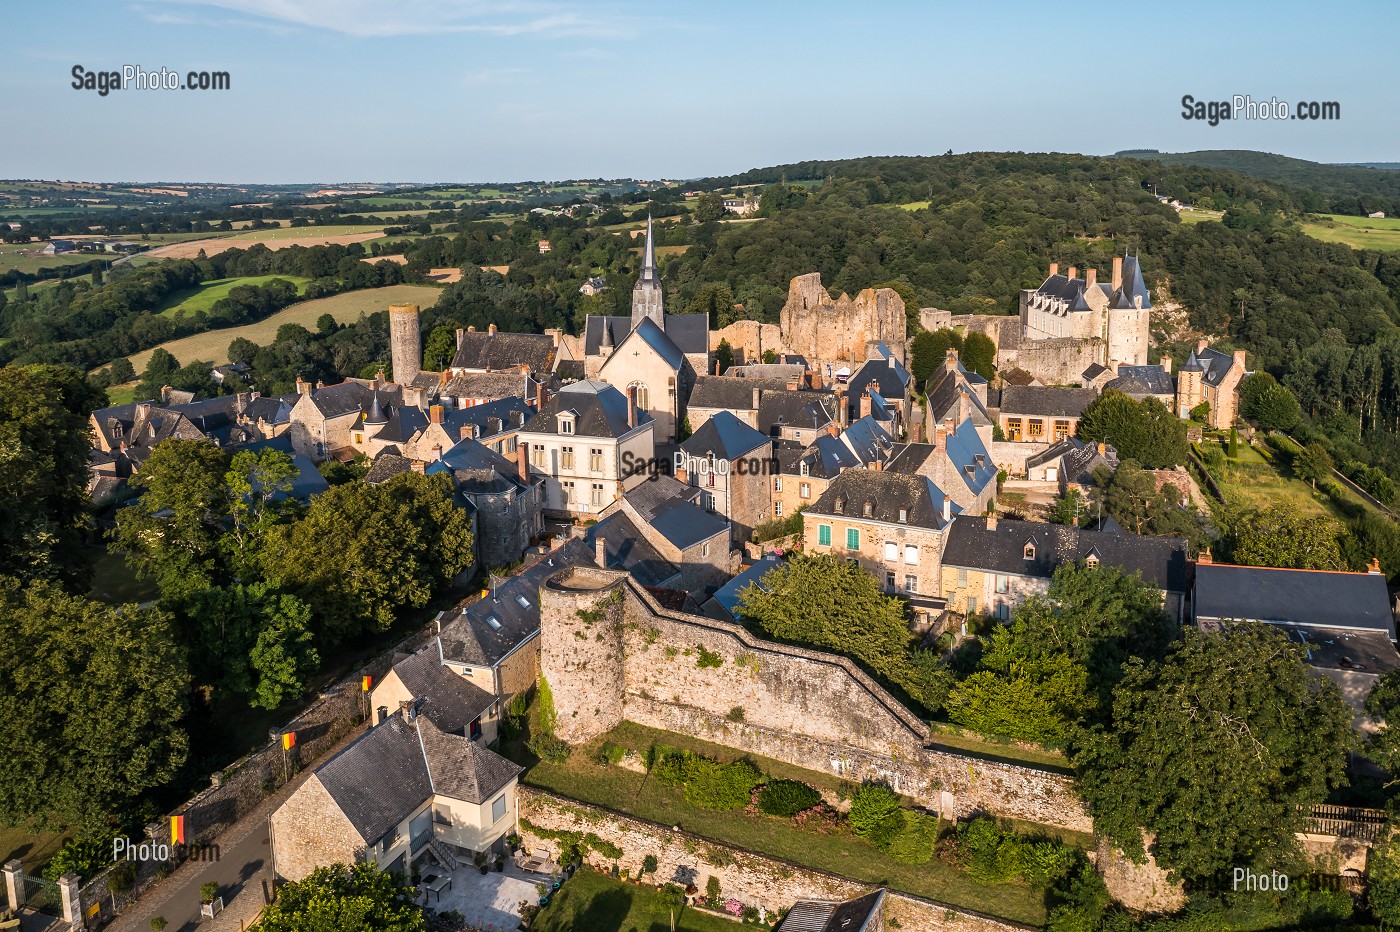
(891, 551)
(568, 492)
(597, 493)
(805, 490)
(911, 582)
(595, 460)
(911, 554)
(777, 509)
(1002, 584)
(566, 457)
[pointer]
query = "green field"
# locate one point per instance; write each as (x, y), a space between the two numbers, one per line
(202, 298)
(1199, 216)
(1254, 478)
(913, 205)
(632, 793)
(1357, 232)
(212, 346)
(263, 236)
(33, 848)
(16, 257)
(593, 901)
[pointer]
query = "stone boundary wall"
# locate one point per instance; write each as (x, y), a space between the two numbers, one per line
(752, 879)
(240, 787)
(811, 709)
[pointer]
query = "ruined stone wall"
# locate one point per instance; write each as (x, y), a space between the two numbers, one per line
(815, 326)
(811, 709)
(752, 879)
(1055, 362)
(748, 339)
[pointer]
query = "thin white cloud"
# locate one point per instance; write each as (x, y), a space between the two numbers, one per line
(388, 18)
(482, 77)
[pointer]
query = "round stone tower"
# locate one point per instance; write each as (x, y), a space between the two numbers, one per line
(405, 342)
(581, 650)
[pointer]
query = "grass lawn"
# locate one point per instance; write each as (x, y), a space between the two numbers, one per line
(263, 236)
(25, 257)
(842, 853)
(212, 345)
(1199, 216)
(589, 900)
(123, 394)
(1356, 232)
(34, 848)
(115, 583)
(914, 205)
(202, 297)
(1255, 478)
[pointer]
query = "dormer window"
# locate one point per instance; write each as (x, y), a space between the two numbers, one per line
(1092, 560)
(840, 506)
(803, 468)
(869, 509)
(903, 516)
(566, 423)
(1028, 551)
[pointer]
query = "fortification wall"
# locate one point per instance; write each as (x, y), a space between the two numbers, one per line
(748, 339)
(694, 675)
(1060, 361)
(815, 326)
(752, 879)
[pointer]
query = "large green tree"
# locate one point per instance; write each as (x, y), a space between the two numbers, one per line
(1267, 403)
(44, 445)
(362, 552)
(1282, 536)
(1145, 431)
(819, 600)
(1213, 750)
(1131, 497)
(344, 898)
(92, 699)
(250, 640)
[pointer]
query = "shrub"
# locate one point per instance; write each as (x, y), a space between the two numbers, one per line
(736, 714)
(158, 924)
(649, 864)
(712, 785)
(876, 813)
(208, 892)
(549, 748)
(916, 840)
(712, 890)
(786, 798)
(669, 766)
(609, 753)
(708, 658)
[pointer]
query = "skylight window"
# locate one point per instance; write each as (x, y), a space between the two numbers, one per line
(522, 601)
(494, 622)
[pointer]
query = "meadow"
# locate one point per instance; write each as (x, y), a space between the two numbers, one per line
(1382, 233)
(212, 345)
(202, 298)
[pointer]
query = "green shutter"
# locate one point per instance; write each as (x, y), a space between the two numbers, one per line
(824, 535)
(852, 539)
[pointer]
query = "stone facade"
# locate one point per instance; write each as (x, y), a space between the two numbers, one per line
(310, 831)
(883, 550)
(844, 330)
(405, 342)
(748, 339)
(610, 652)
(752, 879)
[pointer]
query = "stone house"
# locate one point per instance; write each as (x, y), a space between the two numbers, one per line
(1115, 314)
(730, 463)
(892, 524)
(504, 497)
(883, 376)
(592, 444)
(1034, 414)
(991, 565)
(661, 534)
(493, 640)
(324, 415)
(955, 392)
(491, 350)
(406, 790)
(1071, 462)
(956, 461)
(1143, 382)
(776, 408)
(648, 363)
(1214, 377)
(805, 471)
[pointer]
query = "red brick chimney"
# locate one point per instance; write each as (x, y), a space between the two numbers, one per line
(682, 475)
(1054, 268)
(522, 461)
(1117, 272)
(1204, 557)
(940, 438)
(418, 467)
(832, 430)
(540, 396)
(1073, 272)
(1091, 277)
(865, 403)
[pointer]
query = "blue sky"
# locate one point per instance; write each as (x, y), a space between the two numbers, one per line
(482, 90)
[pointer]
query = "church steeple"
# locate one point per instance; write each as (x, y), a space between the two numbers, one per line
(646, 296)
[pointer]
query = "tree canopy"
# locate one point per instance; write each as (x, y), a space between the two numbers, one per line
(342, 898)
(1144, 431)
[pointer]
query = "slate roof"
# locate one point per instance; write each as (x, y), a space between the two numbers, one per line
(628, 550)
(476, 469)
(690, 332)
(491, 418)
(1078, 459)
(965, 452)
(945, 391)
(449, 700)
(383, 776)
(600, 408)
(1045, 401)
(825, 457)
(732, 392)
(386, 466)
(1094, 371)
(887, 493)
(867, 441)
(1313, 598)
(1213, 363)
(656, 338)
(656, 492)
(405, 421)
(831, 916)
(970, 543)
(489, 385)
(468, 633)
(1133, 287)
(725, 436)
(886, 375)
(728, 594)
(1139, 381)
(486, 351)
(351, 397)
(796, 409)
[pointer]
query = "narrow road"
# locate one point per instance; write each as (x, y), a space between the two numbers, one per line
(245, 861)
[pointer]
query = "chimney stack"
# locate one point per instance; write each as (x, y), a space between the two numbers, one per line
(865, 403)
(461, 335)
(1201, 345)
(539, 397)
(1374, 567)
(947, 509)
(1091, 277)
(991, 520)
(757, 394)
(418, 467)
(491, 329)
(1054, 268)
(1103, 448)
(600, 551)
(964, 406)
(1117, 272)
(435, 414)
(522, 462)
(831, 429)
(1204, 557)
(716, 367)
(1167, 364)
(940, 438)
(632, 407)
(406, 709)
(1073, 272)
(471, 329)
(1239, 358)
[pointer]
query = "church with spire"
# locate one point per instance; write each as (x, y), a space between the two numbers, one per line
(651, 354)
